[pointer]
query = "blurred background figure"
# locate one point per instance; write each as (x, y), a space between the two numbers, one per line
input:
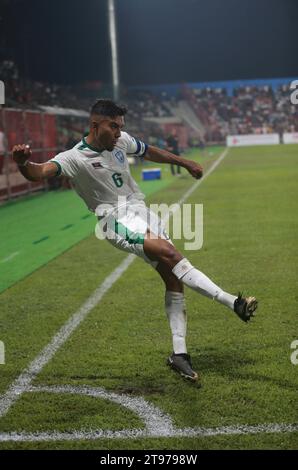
(173, 147)
(3, 148)
(202, 146)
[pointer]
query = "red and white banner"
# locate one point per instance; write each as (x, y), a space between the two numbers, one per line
(290, 138)
(17, 126)
(252, 139)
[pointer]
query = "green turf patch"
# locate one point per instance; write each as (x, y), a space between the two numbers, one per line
(37, 412)
(250, 229)
(38, 228)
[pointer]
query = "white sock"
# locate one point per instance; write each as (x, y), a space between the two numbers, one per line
(197, 281)
(175, 310)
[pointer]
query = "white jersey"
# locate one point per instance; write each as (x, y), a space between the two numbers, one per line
(101, 178)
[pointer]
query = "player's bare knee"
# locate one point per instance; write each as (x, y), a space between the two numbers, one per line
(169, 255)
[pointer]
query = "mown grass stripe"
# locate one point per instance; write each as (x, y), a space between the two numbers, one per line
(41, 240)
(10, 257)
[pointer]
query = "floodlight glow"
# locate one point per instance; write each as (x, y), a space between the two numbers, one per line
(113, 39)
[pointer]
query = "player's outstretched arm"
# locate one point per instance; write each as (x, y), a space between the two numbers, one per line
(154, 154)
(32, 171)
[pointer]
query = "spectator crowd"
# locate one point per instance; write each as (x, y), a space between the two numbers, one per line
(250, 110)
(247, 110)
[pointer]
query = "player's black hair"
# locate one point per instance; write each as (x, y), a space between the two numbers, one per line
(106, 107)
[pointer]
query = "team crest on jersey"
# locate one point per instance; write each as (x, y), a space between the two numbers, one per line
(120, 156)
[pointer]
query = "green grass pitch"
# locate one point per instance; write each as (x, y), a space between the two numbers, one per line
(250, 245)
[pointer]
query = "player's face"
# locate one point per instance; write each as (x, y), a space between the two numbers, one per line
(108, 131)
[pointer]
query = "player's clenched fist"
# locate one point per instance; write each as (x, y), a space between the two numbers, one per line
(21, 153)
(194, 169)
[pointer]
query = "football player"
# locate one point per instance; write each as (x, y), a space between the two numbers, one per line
(99, 170)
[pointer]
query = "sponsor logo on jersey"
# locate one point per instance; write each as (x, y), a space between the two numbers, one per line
(97, 165)
(120, 156)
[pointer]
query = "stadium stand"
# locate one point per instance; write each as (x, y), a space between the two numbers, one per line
(250, 110)
(53, 117)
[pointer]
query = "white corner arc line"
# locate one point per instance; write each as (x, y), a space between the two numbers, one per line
(155, 420)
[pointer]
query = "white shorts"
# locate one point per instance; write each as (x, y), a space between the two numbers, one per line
(126, 228)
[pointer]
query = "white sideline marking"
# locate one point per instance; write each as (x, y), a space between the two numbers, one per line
(139, 433)
(157, 423)
(199, 182)
(22, 383)
(4, 260)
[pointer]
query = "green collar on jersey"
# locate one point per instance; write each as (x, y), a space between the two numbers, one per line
(85, 144)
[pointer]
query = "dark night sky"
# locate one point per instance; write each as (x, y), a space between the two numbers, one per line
(160, 41)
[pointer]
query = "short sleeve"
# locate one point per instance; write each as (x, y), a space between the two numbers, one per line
(133, 145)
(65, 164)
